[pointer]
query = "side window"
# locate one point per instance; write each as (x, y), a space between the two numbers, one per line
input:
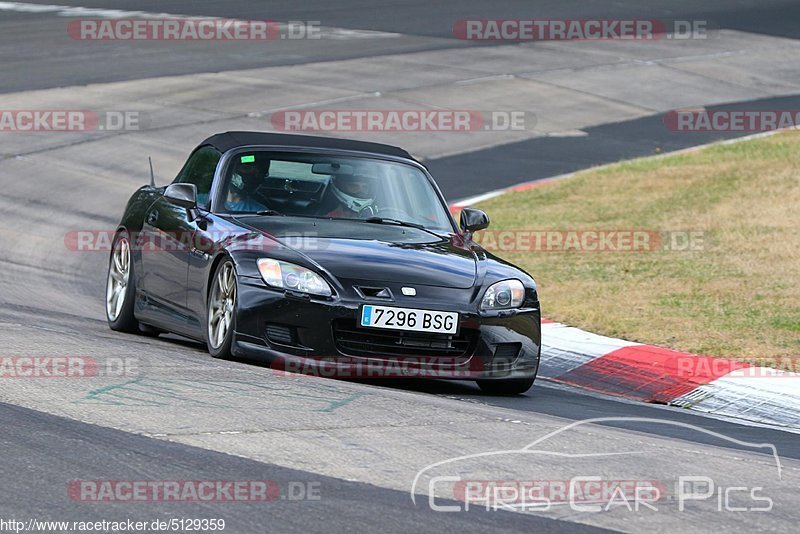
(199, 170)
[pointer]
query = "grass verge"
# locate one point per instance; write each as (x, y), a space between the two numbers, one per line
(717, 270)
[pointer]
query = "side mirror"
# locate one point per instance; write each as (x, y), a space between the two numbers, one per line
(183, 195)
(473, 220)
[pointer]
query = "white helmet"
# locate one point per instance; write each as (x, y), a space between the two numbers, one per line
(355, 201)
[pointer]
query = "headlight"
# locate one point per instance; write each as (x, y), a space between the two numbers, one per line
(503, 295)
(290, 276)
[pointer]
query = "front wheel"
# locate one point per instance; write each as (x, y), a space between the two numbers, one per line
(512, 386)
(120, 287)
(221, 319)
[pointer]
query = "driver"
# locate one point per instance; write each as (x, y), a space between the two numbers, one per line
(355, 193)
(247, 176)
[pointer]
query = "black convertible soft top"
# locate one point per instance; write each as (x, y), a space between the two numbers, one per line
(228, 140)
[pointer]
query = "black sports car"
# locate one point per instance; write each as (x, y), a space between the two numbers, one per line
(322, 255)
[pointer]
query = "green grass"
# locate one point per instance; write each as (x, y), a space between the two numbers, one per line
(737, 296)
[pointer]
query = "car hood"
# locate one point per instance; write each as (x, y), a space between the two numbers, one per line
(435, 264)
(380, 253)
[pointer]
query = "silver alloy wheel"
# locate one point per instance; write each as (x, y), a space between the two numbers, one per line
(221, 305)
(119, 271)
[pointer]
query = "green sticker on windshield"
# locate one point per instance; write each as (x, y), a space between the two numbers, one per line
(248, 159)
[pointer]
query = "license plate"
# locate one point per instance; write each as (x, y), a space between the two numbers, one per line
(409, 319)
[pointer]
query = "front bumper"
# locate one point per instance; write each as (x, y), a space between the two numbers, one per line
(320, 336)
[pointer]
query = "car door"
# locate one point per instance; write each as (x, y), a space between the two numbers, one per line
(165, 269)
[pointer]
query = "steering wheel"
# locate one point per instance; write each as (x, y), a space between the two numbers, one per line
(389, 213)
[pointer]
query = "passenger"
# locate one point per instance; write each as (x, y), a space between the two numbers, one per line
(247, 176)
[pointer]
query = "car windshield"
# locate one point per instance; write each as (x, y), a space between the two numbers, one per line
(333, 187)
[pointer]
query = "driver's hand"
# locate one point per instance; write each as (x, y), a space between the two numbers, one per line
(368, 211)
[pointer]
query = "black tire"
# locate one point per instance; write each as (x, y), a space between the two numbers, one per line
(223, 349)
(123, 320)
(512, 386)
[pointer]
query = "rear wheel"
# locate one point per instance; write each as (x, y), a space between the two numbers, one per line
(513, 386)
(221, 319)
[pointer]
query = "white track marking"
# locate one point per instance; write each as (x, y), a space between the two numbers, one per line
(325, 32)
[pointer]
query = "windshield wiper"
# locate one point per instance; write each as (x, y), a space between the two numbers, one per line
(260, 212)
(396, 222)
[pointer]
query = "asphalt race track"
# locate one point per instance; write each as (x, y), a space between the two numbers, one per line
(174, 413)
(420, 25)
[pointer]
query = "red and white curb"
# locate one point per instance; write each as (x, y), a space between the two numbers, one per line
(657, 375)
(653, 374)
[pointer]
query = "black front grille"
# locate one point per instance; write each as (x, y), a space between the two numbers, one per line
(354, 341)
